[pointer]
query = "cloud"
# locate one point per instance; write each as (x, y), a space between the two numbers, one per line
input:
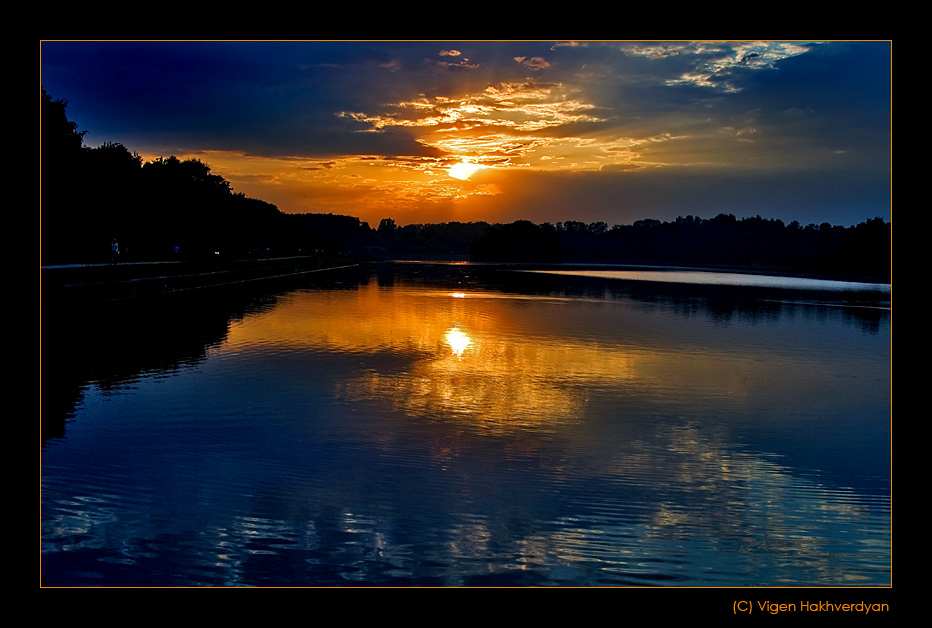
(323, 165)
(534, 63)
(460, 65)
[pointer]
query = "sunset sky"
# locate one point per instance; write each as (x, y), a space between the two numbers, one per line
(433, 131)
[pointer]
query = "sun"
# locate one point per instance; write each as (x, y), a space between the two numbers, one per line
(463, 170)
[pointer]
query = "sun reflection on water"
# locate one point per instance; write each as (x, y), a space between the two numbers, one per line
(458, 341)
(495, 362)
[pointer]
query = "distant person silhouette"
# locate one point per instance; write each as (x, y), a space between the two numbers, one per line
(114, 251)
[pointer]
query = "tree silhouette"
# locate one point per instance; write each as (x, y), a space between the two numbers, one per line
(60, 136)
(61, 152)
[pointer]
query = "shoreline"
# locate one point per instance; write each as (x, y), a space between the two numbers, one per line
(65, 285)
(71, 285)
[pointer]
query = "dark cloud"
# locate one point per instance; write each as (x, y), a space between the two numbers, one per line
(261, 98)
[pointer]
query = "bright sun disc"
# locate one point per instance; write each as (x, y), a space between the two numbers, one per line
(463, 170)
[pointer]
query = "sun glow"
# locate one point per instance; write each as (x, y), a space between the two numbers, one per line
(463, 170)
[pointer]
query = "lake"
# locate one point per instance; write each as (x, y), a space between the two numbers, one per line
(470, 425)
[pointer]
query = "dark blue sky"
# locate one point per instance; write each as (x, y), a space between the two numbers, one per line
(548, 131)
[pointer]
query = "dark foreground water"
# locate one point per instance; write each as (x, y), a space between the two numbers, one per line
(470, 425)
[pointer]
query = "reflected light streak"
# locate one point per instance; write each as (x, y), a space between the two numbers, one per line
(501, 375)
(458, 341)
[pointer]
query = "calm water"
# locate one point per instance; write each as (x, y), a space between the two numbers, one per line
(470, 425)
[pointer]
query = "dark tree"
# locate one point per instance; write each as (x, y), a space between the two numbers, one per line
(61, 157)
(60, 136)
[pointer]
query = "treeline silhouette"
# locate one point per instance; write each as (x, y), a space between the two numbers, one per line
(720, 241)
(163, 209)
(170, 208)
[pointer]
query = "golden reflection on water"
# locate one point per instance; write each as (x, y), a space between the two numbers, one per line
(498, 363)
(466, 361)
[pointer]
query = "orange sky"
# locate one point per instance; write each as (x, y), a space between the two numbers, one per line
(482, 138)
